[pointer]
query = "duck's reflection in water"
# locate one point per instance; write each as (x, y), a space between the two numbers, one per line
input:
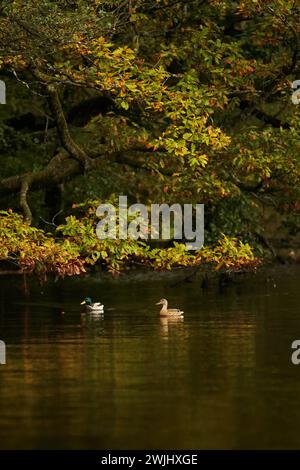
(93, 321)
(167, 324)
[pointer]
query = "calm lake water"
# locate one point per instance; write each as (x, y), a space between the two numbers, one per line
(222, 378)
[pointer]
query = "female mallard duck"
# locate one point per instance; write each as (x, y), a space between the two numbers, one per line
(169, 312)
(92, 306)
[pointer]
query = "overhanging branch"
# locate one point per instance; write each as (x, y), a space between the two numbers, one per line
(63, 129)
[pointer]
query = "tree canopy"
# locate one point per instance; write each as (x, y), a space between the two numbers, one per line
(161, 100)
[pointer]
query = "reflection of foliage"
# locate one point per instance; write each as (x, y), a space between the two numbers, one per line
(78, 247)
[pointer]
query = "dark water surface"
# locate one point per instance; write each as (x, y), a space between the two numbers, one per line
(222, 378)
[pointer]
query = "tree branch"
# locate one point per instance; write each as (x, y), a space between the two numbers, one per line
(62, 167)
(58, 169)
(25, 186)
(63, 129)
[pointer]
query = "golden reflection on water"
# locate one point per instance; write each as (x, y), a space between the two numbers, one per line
(219, 377)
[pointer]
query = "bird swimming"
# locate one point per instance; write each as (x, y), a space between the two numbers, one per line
(92, 306)
(169, 312)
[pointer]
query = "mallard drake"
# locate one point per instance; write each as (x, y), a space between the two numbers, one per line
(92, 306)
(169, 312)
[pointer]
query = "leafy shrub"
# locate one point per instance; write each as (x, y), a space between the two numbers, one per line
(77, 247)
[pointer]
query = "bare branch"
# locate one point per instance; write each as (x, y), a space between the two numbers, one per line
(25, 186)
(63, 129)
